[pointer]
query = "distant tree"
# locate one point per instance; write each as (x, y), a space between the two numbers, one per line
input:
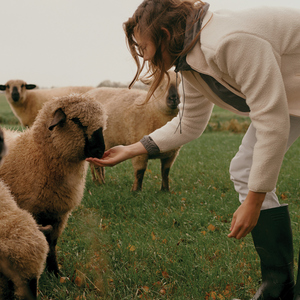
(109, 83)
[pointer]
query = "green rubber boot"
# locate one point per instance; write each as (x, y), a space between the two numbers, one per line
(273, 241)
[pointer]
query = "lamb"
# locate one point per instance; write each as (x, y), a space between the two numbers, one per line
(23, 248)
(129, 119)
(25, 100)
(45, 168)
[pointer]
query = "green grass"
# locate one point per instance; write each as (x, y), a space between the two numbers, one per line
(7, 117)
(159, 245)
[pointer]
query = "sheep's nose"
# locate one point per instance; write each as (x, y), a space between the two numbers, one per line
(15, 94)
(173, 97)
(95, 146)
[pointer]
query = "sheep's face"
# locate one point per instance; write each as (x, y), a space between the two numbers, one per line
(15, 90)
(74, 125)
(168, 90)
(172, 98)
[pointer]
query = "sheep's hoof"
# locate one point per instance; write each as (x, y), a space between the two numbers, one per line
(165, 189)
(136, 189)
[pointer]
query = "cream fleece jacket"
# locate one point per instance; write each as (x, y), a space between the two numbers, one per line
(255, 53)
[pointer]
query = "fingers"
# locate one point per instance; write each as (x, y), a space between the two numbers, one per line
(103, 162)
(236, 231)
(232, 223)
(239, 231)
(106, 153)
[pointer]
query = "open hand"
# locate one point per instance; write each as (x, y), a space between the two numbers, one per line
(118, 154)
(110, 157)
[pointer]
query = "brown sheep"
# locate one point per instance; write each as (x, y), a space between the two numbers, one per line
(50, 158)
(25, 100)
(23, 248)
(129, 119)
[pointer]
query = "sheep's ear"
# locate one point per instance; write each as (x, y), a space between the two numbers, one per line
(58, 119)
(2, 87)
(30, 86)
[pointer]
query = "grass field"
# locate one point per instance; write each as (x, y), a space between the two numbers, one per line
(166, 245)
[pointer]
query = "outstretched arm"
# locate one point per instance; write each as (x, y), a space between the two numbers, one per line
(118, 154)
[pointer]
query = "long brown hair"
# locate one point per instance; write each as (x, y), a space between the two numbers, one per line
(150, 18)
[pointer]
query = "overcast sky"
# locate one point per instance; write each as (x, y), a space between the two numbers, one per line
(76, 42)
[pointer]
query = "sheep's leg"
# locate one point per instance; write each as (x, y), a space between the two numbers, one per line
(166, 164)
(164, 178)
(51, 262)
(139, 165)
(138, 180)
(52, 226)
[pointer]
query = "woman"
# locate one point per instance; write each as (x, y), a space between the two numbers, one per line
(247, 62)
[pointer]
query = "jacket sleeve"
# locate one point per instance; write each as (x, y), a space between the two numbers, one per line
(255, 66)
(194, 113)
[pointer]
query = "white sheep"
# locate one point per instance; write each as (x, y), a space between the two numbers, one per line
(23, 248)
(45, 168)
(25, 100)
(129, 119)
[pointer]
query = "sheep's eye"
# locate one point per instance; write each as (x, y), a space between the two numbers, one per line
(78, 122)
(22, 85)
(7, 86)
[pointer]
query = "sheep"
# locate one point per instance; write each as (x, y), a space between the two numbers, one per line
(25, 100)
(23, 248)
(45, 168)
(129, 119)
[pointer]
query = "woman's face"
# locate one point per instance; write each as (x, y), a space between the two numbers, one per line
(148, 48)
(145, 44)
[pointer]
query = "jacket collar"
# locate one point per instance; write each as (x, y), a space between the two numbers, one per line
(193, 27)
